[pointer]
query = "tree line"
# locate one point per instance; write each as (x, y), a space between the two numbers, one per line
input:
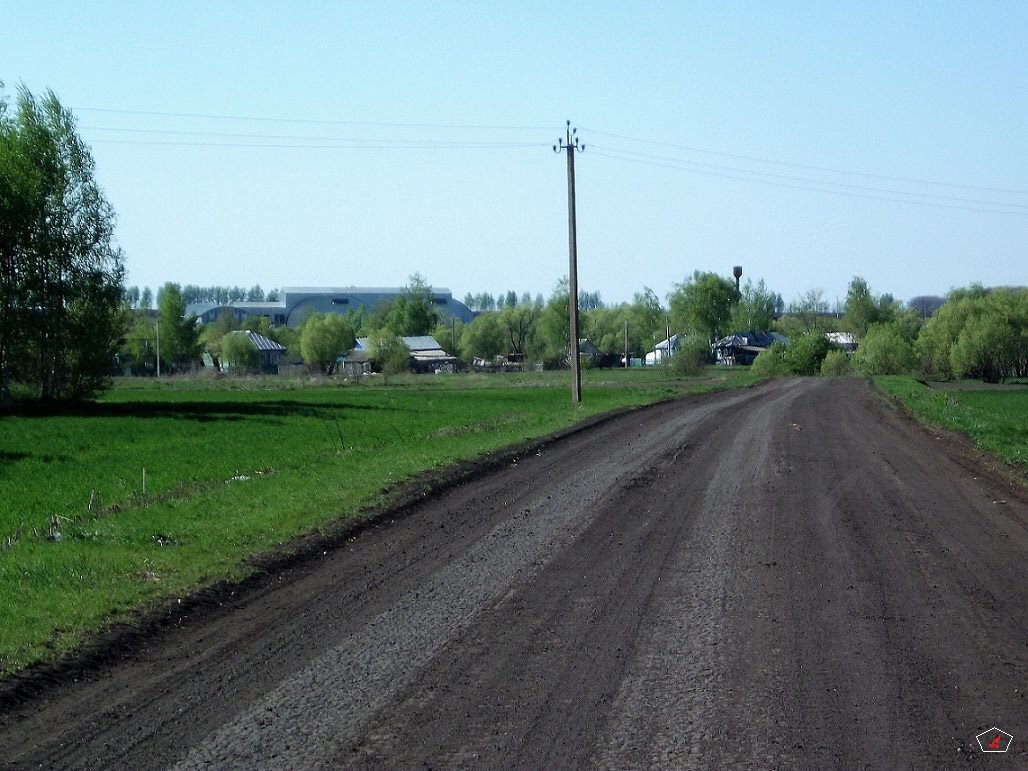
(974, 333)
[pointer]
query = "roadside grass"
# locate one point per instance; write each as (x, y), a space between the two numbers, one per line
(997, 420)
(235, 468)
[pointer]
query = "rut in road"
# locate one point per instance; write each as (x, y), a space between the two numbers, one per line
(787, 576)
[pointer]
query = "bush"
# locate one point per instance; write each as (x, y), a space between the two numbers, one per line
(771, 363)
(323, 338)
(805, 354)
(390, 353)
(886, 350)
(239, 353)
(689, 360)
(836, 364)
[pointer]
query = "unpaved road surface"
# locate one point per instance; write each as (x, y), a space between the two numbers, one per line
(789, 576)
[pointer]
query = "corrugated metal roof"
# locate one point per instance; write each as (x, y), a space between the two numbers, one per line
(260, 342)
(418, 343)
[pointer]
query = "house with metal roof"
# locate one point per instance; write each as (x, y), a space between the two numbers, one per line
(269, 353)
(425, 352)
(744, 347)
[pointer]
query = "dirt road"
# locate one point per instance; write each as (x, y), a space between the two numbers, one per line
(789, 576)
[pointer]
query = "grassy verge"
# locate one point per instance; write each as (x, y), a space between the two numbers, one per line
(234, 468)
(997, 420)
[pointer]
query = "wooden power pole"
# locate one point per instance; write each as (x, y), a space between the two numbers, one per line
(570, 144)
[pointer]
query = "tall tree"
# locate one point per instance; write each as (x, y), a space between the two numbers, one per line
(323, 338)
(519, 325)
(483, 338)
(810, 309)
(755, 311)
(647, 321)
(61, 310)
(554, 329)
(702, 305)
(179, 335)
(413, 312)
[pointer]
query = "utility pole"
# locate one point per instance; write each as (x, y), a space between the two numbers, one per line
(570, 144)
(626, 343)
(667, 329)
(158, 347)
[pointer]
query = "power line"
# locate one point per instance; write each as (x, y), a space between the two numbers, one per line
(279, 145)
(806, 187)
(377, 140)
(865, 188)
(267, 119)
(807, 166)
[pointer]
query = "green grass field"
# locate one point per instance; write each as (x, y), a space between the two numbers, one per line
(234, 468)
(996, 419)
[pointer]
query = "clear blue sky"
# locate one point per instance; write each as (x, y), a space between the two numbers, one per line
(929, 91)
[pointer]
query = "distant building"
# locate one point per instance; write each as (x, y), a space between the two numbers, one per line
(296, 302)
(426, 355)
(844, 340)
(664, 349)
(744, 347)
(269, 352)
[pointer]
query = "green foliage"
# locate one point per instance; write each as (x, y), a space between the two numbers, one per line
(702, 305)
(448, 335)
(755, 310)
(390, 354)
(646, 321)
(239, 353)
(61, 291)
(605, 327)
(771, 363)
(808, 310)
(863, 309)
(886, 350)
(997, 420)
(804, 354)
(323, 338)
(836, 364)
(985, 348)
(211, 335)
(413, 312)
(554, 328)
(690, 359)
(483, 338)
(179, 334)
(289, 339)
(520, 325)
(259, 324)
(977, 334)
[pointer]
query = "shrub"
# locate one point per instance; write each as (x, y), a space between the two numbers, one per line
(836, 364)
(239, 353)
(390, 353)
(771, 363)
(688, 360)
(886, 350)
(804, 355)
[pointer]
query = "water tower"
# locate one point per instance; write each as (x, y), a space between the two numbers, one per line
(737, 272)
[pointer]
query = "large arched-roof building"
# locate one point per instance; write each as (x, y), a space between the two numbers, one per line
(296, 302)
